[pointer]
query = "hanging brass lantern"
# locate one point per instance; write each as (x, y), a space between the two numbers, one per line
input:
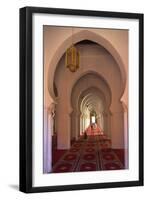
(72, 57)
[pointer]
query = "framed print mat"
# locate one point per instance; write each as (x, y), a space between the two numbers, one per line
(81, 99)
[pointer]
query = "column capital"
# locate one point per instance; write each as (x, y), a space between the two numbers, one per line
(51, 109)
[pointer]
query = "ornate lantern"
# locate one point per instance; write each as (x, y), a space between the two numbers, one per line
(72, 58)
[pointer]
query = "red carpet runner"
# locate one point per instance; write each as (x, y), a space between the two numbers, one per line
(91, 154)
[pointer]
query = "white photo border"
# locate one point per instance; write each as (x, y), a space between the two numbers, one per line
(52, 179)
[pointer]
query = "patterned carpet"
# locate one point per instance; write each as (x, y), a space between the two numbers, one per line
(91, 154)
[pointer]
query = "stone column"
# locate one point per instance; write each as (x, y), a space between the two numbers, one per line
(72, 119)
(82, 119)
(48, 132)
(117, 130)
(105, 117)
(84, 122)
(109, 124)
(63, 139)
(126, 138)
(75, 121)
(76, 125)
(81, 131)
(63, 126)
(78, 114)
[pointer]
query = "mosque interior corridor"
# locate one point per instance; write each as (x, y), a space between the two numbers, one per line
(85, 99)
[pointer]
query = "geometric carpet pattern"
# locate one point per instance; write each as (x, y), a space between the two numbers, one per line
(91, 154)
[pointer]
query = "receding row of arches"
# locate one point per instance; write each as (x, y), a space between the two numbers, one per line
(87, 97)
